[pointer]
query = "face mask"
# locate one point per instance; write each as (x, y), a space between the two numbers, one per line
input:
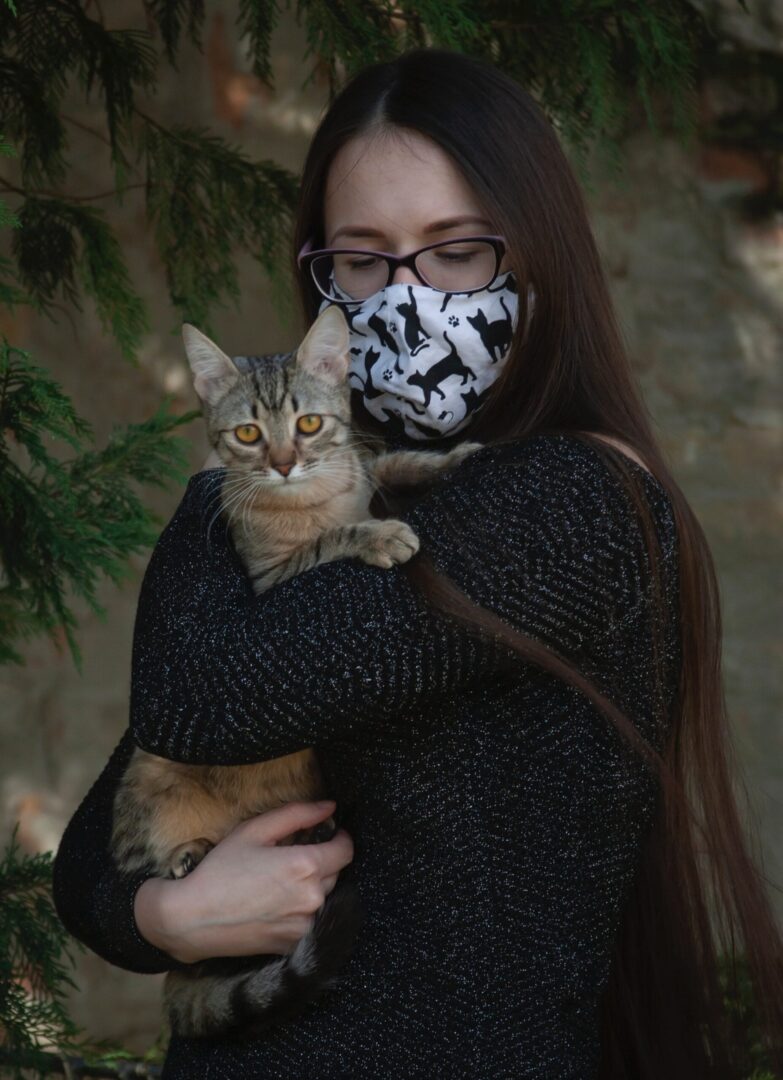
(424, 360)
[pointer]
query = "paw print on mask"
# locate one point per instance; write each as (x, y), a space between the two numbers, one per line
(393, 327)
(388, 374)
(453, 320)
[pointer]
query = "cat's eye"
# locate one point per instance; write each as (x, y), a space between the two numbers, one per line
(308, 425)
(247, 433)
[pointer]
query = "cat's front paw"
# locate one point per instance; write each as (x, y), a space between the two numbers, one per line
(186, 857)
(388, 542)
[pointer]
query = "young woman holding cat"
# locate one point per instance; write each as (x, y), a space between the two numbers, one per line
(509, 721)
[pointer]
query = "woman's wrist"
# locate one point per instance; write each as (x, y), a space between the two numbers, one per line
(155, 910)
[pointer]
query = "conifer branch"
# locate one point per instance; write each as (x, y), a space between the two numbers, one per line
(6, 185)
(80, 516)
(62, 245)
(175, 18)
(256, 22)
(33, 956)
(205, 199)
(36, 960)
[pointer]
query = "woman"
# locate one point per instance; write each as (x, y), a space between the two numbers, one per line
(508, 723)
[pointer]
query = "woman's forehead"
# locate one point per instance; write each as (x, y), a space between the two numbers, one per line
(394, 183)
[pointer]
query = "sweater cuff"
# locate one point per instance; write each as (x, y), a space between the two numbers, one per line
(147, 958)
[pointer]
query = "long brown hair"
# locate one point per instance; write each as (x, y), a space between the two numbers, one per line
(698, 891)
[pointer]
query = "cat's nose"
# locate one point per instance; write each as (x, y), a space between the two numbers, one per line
(284, 470)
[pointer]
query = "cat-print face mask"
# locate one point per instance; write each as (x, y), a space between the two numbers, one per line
(423, 359)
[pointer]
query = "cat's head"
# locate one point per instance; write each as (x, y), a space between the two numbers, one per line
(285, 418)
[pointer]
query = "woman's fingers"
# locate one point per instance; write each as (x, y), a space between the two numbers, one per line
(274, 825)
(331, 856)
(249, 894)
(328, 883)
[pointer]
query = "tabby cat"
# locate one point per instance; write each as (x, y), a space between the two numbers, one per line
(296, 493)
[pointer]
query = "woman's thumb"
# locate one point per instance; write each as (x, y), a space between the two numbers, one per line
(274, 825)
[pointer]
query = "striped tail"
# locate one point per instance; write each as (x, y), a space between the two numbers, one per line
(241, 996)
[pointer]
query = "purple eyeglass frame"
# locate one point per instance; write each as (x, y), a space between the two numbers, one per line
(307, 256)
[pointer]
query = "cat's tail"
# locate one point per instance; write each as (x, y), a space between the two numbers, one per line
(240, 996)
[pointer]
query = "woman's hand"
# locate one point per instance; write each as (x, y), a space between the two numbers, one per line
(247, 896)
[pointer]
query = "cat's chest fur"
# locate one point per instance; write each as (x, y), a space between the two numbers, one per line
(271, 530)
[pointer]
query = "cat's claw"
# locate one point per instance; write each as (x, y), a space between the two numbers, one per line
(185, 858)
(389, 542)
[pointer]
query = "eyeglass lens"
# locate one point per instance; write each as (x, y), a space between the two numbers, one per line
(456, 267)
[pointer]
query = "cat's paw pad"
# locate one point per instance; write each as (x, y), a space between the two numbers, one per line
(185, 858)
(453, 320)
(390, 542)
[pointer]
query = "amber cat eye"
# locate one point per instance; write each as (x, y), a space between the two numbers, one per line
(247, 433)
(308, 425)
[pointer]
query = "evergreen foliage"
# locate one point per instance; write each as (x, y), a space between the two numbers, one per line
(65, 524)
(70, 513)
(35, 964)
(206, 202)
(36, 960)
(33, 959)
(201, 189)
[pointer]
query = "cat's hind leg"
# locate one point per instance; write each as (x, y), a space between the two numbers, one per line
(165, 818)
(185, 858)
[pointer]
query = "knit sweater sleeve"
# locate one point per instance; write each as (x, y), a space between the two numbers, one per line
(93, 899)
(221, 676)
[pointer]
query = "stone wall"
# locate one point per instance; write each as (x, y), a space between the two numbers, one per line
(700, 293)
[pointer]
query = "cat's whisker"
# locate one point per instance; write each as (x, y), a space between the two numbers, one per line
(213, 482)
(231, 490)
(232, 486)
(213, 496)
(237, 497)
(248, 503)
(227, 505)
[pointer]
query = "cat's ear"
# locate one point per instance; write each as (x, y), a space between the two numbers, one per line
(324, 351)
(214, 373)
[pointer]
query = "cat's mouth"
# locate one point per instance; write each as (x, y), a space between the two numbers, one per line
(276, 479)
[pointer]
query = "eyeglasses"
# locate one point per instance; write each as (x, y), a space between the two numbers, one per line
(348, 275)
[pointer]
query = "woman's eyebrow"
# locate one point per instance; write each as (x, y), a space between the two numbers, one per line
(354, 231)
(358, 231)
(453, 222)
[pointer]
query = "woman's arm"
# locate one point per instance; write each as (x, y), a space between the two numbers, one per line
(94, 901)
(248, 896)
(544, 544)
(221, 676)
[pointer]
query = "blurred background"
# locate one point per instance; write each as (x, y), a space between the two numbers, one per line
(684, 181)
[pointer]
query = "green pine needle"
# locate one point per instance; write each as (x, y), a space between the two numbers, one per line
(80, 516)
(34, 956)
(60, 246)
(256, 21)
(176, 18)
(205, 200)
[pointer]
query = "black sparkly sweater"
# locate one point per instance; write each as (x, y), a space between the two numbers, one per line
(497, 818)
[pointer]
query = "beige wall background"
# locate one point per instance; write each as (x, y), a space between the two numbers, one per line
(700, 295)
